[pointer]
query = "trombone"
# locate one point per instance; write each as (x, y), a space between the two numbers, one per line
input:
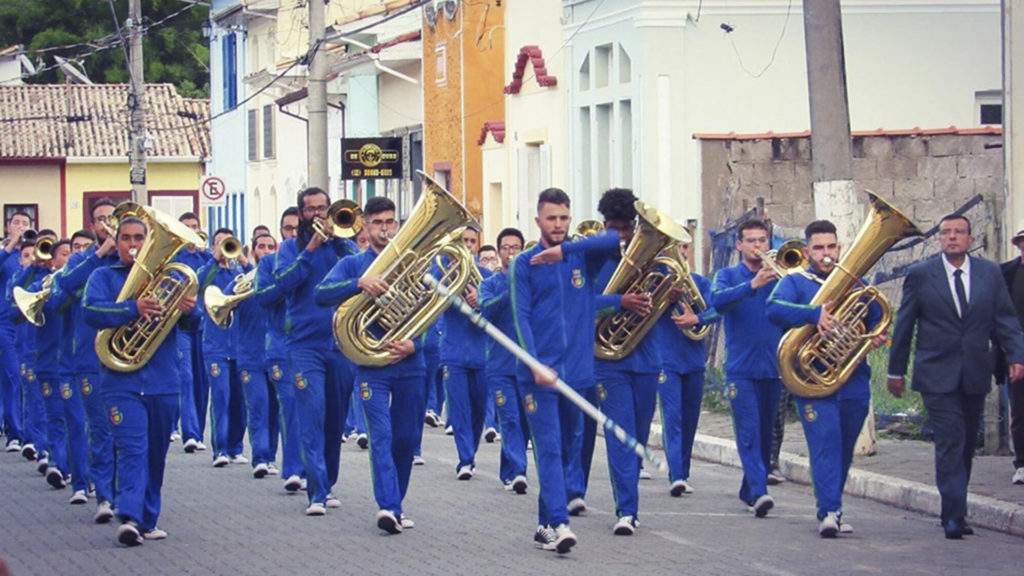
(787, 259)
(345, 218)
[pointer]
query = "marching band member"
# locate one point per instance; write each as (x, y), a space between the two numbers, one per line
(195, 388)
(682, 388)
(278, 366)
(550, 305)
(220, 353)
(141, 404)
(392, 396)
(831, 423)
(501, 366)
(85, 363)
(322, 376)
(739, 294)
(10, 379)
(463, 372)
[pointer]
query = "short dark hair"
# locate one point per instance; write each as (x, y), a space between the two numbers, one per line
(511, 232)
(48, 232)
(819, 227)
(223, 230)
(376, 205)
(188, 216)
(617, 204)
(487, 247)
(260, 228)
(553, 196)
(949, 217)
(752, 224)
(89, 234)
(258, 236)
(61, 242)
(290, 211)
(130, 220)
(20, 213)
(101, 202)
(310, 191)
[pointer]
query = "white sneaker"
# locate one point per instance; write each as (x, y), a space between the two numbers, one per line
(564, 539)
(519, 484)
(407, 523)
(363, 441)
(432, 419)
(55, 478)
(844, 528)
(221, 461)
(387, 522)
(489, 435)
(272, 470)
(577, 507)
(625, 526)
(259, 471)
(644, 474)
(13, 446)
(293, 484)
(200, 446)
(175, 437)
(79, 497)
(316, 509)
(239, 459)
(680, 487)
(155, 534)
(104, 513)
(1018, 476)
(418, 460)
(775, 477)
(762, 505)
(128, 534)
(448, 431)
(191, 445)
(829, 526)
(465, 473)
(333, 502)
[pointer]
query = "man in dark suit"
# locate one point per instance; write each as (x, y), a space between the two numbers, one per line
(960, 306)
(1013, 273)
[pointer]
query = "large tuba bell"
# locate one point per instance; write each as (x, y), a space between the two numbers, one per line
(813, 365)
(129, 347)
(641, 271)
(363, 325)
(220, 307)
(31, 303)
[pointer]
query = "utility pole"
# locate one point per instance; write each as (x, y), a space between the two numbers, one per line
(138, 141)
(835, 197)
(316, 135)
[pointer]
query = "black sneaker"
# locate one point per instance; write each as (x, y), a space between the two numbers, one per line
(544, 538)
(129, 535)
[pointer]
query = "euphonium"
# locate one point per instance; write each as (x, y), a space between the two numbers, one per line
(815, 365)
(31, 303)
(345, 218)
(641, 271)
(129, 347)
(363, 325)
(588, 228)
(691, 294)
(220, 307)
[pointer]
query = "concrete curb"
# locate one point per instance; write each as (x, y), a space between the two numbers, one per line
(984, 512)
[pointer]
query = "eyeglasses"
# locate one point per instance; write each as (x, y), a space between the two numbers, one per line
(289, 228)
(510, 248)
(314, 209)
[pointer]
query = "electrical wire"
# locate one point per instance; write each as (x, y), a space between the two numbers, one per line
(775, 50)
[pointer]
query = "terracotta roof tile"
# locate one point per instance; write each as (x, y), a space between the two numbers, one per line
(75, 120)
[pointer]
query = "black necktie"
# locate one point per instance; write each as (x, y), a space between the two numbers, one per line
(961, 293)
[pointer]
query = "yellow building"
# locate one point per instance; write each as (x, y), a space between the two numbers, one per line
(64, 146)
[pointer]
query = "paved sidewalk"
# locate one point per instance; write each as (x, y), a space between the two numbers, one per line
(901, 473)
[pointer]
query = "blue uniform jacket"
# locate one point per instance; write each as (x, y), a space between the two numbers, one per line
(789, 307)
(195, 261)
(72, 280)
(646, 357)
(751, 340)
(47, 335)
(218, 341)
(9, 267)
(496, 306)
(340, 284)
(461, 341)
(297, 272)
(682, 355)
(25, 339)
(270, 296)
(102, 310)
(251, 327)
(553, 307)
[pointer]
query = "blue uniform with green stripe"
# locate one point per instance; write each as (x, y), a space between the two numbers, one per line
(393, 397)
(553, 307)
(33, 409)
(10, 380)
(195, 388)
(261, 413)
(831, 423)
(751, 370)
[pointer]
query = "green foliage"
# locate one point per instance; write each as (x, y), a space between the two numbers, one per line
(174, 52)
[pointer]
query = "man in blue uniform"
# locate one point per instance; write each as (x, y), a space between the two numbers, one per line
(550, 304)
(322, 376)
(495, 303)
(681, 388)
(195, 388)
(739, 294)
(393, 395)
(10, 380)
(141, 404)
(831, 423)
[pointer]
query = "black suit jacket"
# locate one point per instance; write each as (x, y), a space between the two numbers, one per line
(1009, 270)
(952, 352)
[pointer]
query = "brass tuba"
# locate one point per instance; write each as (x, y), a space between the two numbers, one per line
(220, 307)
(641, 271)
(129, 347)
(813, 365)
(588, 228)
(691, 293)
(363, 325)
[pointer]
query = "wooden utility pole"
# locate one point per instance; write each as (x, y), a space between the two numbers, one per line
(316, 135)
(138, 141)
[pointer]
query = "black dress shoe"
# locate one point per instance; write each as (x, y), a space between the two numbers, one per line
(967, 530)
(954, 529)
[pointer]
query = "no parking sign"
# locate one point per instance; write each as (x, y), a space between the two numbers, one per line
(212, 192)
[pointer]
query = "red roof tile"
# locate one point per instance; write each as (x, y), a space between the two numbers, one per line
(533, 55)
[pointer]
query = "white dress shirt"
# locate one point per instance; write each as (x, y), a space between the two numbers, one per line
(965, 278)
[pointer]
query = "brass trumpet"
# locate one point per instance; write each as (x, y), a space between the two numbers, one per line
(43, 251)
(230, 248)
(787, 259)
(345, 217)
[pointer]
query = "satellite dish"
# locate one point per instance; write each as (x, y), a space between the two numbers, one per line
(431, 13)
(73, 74)
(27, 64)
(449, 9)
